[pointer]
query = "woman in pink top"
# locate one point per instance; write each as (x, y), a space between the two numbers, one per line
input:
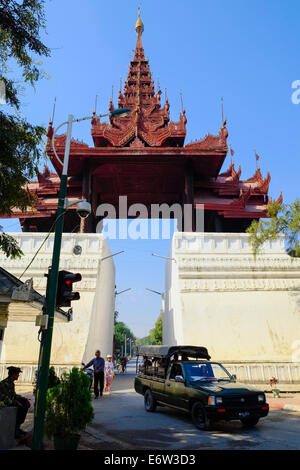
(109, 373)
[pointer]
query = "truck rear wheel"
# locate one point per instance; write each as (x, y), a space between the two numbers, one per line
(199, 416)
(149, 401)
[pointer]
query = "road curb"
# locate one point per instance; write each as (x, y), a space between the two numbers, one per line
(291, 407)
(282, 406)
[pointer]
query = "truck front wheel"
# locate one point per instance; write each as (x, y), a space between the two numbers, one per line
(149, 401)
(199, 416)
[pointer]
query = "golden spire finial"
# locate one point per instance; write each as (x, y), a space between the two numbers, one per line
(139, 27)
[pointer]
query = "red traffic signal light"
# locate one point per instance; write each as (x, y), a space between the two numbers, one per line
(65, 294)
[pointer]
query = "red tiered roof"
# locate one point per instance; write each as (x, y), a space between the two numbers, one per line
(149, 124)
(144, 157)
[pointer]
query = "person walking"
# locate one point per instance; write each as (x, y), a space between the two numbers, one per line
(124, 363)
(9, 398)
(98, 364)
(109, 373)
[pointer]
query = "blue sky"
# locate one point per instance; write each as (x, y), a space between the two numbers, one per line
(244, 51)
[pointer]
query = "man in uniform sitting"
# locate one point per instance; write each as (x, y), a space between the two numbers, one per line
(9, 398)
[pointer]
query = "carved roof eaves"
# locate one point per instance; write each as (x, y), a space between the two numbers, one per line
(60, 142)
(211, 142)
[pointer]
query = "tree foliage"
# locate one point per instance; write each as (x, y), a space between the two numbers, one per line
(10, 246)
(283, 219)
(143, 341)
(20, 142)
(121, 330)
(69, 408)
(156, 332)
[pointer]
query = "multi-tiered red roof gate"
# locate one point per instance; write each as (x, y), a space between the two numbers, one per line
(143, 156)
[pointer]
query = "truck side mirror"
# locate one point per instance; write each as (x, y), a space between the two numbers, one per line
(179, 378)
(233, 377)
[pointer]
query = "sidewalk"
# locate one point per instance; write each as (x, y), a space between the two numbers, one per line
(286, 402)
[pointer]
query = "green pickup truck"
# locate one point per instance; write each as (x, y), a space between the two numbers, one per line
(184, 378)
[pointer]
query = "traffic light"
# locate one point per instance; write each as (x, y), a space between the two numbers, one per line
(65, 294)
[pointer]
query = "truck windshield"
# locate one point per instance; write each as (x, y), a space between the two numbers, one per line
(206, 372)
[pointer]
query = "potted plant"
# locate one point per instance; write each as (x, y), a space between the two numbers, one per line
(69, 409)
(275, 391)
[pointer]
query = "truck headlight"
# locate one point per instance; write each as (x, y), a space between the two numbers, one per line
(212, 401)
(261, 398)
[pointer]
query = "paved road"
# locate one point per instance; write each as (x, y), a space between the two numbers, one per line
(122, 423)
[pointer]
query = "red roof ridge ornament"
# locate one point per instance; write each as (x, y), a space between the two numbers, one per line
(232, 173)
(278, 201)
(263, 187)
(257, 177)
(236, 175)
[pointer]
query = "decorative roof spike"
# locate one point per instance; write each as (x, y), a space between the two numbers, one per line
(222, 110)
(139, 26)
(95, 109)
(236, 175)
(182, 109)
(231, 154)
(280, 199)
(111, 106)
(149, 121)
(256, 159)
(223, 131)
(228, 172)
(264, 186)
(139, 48)
(53, 112)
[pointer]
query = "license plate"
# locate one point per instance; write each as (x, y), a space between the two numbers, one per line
(244, 414)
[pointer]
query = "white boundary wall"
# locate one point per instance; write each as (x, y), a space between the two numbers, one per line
(241, 308)
(93, 315)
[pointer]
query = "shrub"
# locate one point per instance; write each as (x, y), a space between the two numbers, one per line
(69, 405)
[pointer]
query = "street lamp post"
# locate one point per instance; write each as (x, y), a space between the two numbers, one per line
(42, 385)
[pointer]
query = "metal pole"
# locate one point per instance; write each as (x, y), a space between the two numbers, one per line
(40, 406)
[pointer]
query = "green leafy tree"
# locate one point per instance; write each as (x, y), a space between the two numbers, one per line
(121, 330)
(142, 341)
(20, 141)
(283, 219)
(156, 332)
(9, 246)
